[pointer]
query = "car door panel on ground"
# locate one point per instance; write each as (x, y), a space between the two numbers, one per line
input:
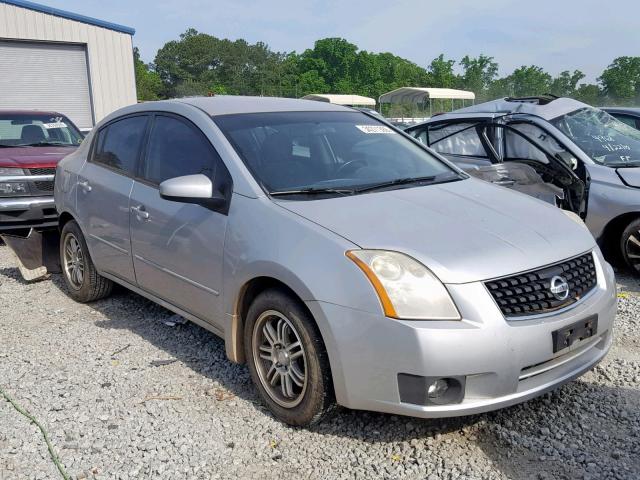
(178, 247)
(107, 176)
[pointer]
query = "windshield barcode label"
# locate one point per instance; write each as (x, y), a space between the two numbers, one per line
(374, 129)
(55, 125)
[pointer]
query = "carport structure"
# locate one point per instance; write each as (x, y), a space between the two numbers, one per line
(420, 96)
(341, 99)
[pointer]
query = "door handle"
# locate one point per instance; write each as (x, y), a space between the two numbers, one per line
(85, 186)
(140, 212)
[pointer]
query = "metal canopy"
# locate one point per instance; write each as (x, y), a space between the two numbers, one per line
(420, 95)
(340, 99)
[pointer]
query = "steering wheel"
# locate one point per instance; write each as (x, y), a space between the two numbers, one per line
(351, 164)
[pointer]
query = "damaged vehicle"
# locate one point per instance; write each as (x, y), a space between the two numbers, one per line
(31, 145)
(342, 260)
(559, 150)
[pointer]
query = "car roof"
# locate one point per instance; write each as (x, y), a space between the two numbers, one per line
(231, 104)
(547, 108)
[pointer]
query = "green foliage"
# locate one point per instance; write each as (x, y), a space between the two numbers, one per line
(478, 74)
(201, 64)
(148, 83)
(621, 80)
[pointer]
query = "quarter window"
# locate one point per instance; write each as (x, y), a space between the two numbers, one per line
(118, 144)
(177, 148)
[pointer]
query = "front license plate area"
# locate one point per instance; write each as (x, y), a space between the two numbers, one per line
(566, 336)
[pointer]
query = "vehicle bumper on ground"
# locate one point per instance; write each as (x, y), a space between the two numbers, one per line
(27, 212)
(500, 362)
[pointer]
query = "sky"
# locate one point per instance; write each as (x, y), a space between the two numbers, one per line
(554, 34)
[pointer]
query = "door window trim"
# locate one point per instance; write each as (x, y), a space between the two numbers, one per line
(145, 157)
(94, 141)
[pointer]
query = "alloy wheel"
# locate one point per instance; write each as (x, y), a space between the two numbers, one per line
(74, 264)
(280, 358)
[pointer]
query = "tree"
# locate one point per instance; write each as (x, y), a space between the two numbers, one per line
(528, 80)
(566, 83)
(441, 72)
(148, 82)
(621, 80)
(589, 93)
(478, 74)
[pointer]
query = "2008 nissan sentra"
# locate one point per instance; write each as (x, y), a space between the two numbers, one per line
(340, 259)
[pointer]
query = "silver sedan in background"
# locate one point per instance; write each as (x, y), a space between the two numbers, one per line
(340, 259)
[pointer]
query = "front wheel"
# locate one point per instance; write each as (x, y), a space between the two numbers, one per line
(287, 359)
(84, 283)
(630, 246)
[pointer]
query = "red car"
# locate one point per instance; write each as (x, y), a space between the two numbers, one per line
(31, 145)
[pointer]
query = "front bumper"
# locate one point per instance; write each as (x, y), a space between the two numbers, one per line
(27, 212)
(503, 362)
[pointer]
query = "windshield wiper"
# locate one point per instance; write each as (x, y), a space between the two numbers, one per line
(4, 145)
(313, 191)
(397, 181)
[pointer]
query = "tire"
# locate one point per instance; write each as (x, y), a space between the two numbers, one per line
(630, 246)
(90, 285)
(314, 399)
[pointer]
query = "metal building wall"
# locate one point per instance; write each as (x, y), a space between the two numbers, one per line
(110, 53)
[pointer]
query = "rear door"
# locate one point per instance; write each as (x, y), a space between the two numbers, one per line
(178, 247)
(104, 186)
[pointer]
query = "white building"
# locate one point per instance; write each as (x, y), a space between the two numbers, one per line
(55, 60)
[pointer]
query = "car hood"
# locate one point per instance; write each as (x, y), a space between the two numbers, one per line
(463, 231)
(33, 157)
(630, 176)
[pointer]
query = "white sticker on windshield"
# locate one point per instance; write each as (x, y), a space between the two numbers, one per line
(55, 125)
(374, 129)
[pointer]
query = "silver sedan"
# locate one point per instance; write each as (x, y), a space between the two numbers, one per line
(343, 261)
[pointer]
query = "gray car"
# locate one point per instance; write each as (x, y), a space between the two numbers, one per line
(340, 259)
(559, 150)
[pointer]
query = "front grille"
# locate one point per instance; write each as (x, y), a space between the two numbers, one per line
(42, 187)
(530, 293)
(42, 171)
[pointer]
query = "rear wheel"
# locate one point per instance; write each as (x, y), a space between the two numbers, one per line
(630, 246)
(287, 359)
(84, 283)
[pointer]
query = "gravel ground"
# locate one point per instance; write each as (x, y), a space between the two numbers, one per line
(124, 395)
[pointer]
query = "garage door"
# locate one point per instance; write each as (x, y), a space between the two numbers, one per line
(46, 76)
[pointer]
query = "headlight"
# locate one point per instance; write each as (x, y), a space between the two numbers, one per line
(13, 188)
(406, 288)
(6, 171)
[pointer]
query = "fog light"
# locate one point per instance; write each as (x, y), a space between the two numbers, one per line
(430, 390)
(438, 388)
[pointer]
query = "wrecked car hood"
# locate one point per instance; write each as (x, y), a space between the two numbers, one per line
(463, 231)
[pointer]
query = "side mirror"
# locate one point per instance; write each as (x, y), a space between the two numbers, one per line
(196, 189)
(568, 159)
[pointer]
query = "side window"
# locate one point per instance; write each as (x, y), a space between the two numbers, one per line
(118, 144)
(177, 148)
(456, 139)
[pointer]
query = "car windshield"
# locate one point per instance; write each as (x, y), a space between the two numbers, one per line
(606, 140)
(335, 153)
(19, 130)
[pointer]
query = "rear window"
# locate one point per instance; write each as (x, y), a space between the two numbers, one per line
(38, 130)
